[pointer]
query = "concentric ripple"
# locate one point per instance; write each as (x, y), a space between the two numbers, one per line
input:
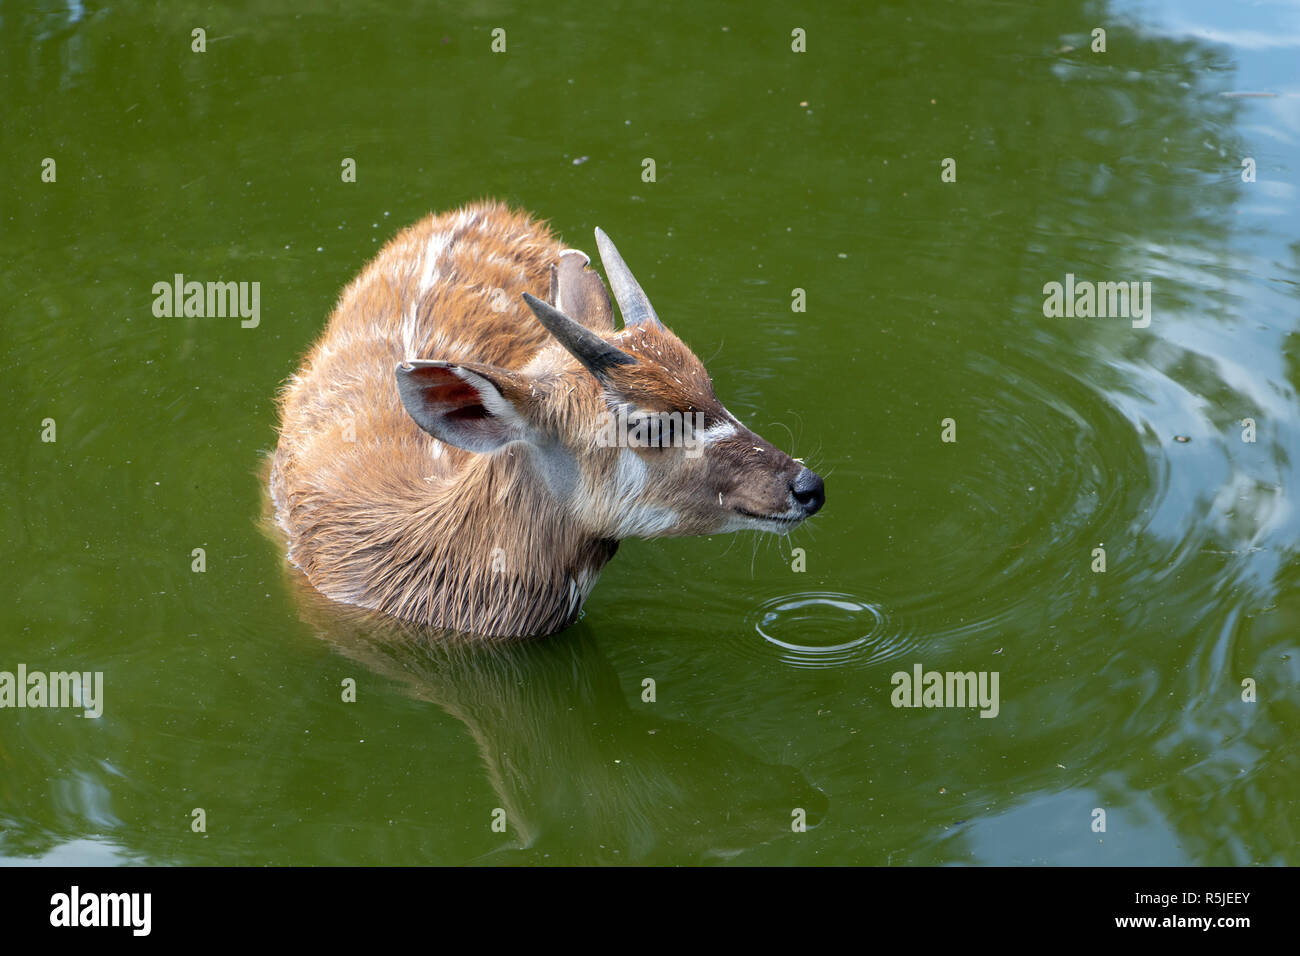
(828, 629)
(993, 543)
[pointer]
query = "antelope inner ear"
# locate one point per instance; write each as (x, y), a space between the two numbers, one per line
(578, 292)
(462, 406)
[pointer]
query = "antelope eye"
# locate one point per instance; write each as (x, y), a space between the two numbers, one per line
(656, 429)
(668, 431)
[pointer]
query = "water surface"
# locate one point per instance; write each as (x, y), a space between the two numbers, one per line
(1119, 690)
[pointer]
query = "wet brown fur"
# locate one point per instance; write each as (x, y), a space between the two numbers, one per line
(380, 514)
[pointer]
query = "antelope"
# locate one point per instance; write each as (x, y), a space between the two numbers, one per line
(442, 453)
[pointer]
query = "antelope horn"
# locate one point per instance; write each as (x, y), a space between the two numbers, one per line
(632, 302)
(585, 345)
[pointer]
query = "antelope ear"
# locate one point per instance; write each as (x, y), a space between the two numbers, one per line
(473, 408)
(578, 292)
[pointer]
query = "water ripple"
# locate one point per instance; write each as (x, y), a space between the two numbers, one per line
(815, 629)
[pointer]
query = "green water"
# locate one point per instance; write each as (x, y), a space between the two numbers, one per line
(1119, 690)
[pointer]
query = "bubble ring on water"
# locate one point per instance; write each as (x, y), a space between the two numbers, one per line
(776, 616)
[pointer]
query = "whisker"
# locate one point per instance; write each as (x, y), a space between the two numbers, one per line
(788, 432)
(717, 353)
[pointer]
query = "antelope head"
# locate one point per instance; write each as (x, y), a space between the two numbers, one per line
(623, 425)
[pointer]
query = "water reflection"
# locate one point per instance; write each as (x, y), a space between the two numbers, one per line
(567, 751)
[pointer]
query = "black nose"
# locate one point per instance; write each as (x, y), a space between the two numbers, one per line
(809, 490)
